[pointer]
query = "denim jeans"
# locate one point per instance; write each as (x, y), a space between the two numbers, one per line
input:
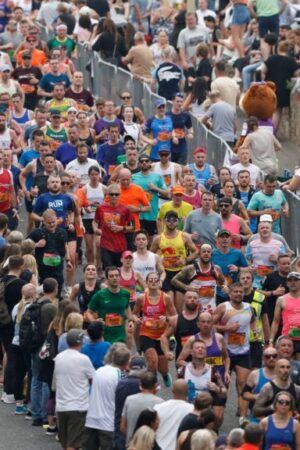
(39, 390)
(247, 74)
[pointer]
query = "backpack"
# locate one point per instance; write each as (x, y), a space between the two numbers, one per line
(5, 317)
(30, 334)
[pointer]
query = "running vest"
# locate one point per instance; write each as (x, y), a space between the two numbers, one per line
(262, 380)
(206, 282)
(237, 342)
(291, 389)
(5, 139)
(256, 305)
(280, 438)
(133, 171)
(233, 225)
(184, 330)
(152, 325)
(290, 314)
(144, 267)
(171, 251)
(214, 356)
(55, 137)
(95, 198)
(5, 190)
(62, 107)
(84, 297)
(196, 382)
(201, 176)
(23, 119)
(129, 285)
(168, 174)
(194, 200)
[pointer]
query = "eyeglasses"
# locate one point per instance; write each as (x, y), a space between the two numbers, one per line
(65, 183)
(274, 356)
(126, 97)
(113, 194)
(284, 402)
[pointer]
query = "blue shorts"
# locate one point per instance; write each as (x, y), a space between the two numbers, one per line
(240, 15)
(268, 24)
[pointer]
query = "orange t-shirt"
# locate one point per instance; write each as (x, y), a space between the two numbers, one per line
(82, 202)
(134, 196)
(38, 58)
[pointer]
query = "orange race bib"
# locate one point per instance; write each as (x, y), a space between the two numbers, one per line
(111, 168)
(184, 339)
(263, 271)
(113, 320)
(149, 195)
(280, 447)
(27, 88)
(167, 178)
(170, 261)
(3, 197)
(179, 133)
(229, 280)
(155, 324)
(236, 338)
(164, 136)
(54, 144)
(275, 215)
(206, 291)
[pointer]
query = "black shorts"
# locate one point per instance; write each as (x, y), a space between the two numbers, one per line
(28, 205)
(110, 258)
(167, 286)
(256, 351)
(217, 400)
(241, 361)
(149, 226)
(269, 24)
(87, 223)
(71, 236)
(147, 343)
(71, 428)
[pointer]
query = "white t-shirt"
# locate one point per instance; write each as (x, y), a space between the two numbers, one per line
(72, 374)
(202, 14)
(228, 89)
(82, 169)
(101, 412)
(255, 172)
(170, 414)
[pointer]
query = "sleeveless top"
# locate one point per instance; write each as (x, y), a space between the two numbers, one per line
(214, 356)
(144, 267)
(152, 325)
(23, 119)
(129, 285)
(201, 176)
(184, 330)
(55, 137)
(95, 198)
(262, 380)
(63, 106)
(121, 117)
(206, 282)
(168, 174)
(233, 225)
(11, 89)
(279, 438)
(171, 251)
(84, 296)
(136, 170)
(194, 200)
(89, 141)
(5, 139)
(196, 382)
(237, 342)
(5, 190)
(290, 314)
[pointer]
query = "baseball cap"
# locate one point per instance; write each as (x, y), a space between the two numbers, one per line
(226, 200)
(171, 214)
(164, 150)
(160, 102)
(31, 37)
(266, 218)
(72, 109)
(75, 337)
(223, 233)
(126, 254)
(128, 137)
(5, 68)
(62, 25)
(55, 113)
(26, 54)
(85, 11)
(95, 330)
(293, 275)
(199, 150)
(177, 189)
(144, 158)
(137, 362)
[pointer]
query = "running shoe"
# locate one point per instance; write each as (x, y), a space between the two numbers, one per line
(168, 380)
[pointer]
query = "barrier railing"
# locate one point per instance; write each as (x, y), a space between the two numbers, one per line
(105, 80)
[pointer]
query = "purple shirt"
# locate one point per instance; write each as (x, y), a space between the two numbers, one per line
(101, 124)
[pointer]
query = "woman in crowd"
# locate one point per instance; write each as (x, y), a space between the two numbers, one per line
(86, 133)
(143, 439)
(84, 291)
(161, 44)
(150, 418)
(162, 18)
(238, 207)
(110, 44)
(196, 99)
(126, 98)
(132, 128)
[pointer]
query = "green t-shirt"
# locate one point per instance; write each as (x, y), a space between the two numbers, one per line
(266, 8)
(111, 308)
(56, 43)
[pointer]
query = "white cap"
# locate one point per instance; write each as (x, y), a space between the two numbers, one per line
(266, 218)
(85, 11)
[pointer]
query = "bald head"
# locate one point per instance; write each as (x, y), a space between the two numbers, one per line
(125, 178)
(180, 390)
(283, 369)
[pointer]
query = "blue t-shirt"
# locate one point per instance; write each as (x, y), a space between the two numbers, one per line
(107, 156)
(60, 203)
(49, 80)
(260, 201)
(25, 159)
(181, 122)
(161, 129)
(66, 153)
(96, 351)
(224, 260)
(143, 181)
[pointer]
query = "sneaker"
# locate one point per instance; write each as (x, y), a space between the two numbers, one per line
(51, 431)
(172, 343)
(8, 398)
(37, 422)
(168, 380)
(28, 415)
(243, 421)
(21, 409)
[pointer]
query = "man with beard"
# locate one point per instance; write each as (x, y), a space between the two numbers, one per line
(60, 102)
(67, 151)
(82, 97)
(62, 204)
(239, 230)
(244, 192)
(182, 326)
(201, 277)
(131, 153)
(28, 78)
(82, 164)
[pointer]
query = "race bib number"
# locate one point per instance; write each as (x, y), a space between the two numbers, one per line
(280, 447)
(206, 291)
(111, 168)
(184, 339)
(236, 338)
(3, 197)
(51, 259)
(214, 360)
(113, 320)
(154, 324)
(164, 136)
(263, 271)
(167, 178)
(179, 133)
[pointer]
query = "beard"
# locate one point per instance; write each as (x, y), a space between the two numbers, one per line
(191, 307)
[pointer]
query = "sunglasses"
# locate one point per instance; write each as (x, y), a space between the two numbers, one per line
(173, 220)
(65, 183)
(224, 205)
(284, 402)
(126, 97)
(274, 356)
(164, 154)
(145, 161)
(113, 194)
(31, 40)
(26, 57)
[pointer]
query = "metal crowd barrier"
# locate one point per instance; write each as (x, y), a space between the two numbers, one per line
(105, 80)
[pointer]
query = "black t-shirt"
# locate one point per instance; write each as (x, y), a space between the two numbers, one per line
(204, 69)
(189, 422)
(248, 299)
(84, 97)
(100, 6)
(168, 76)
(272, 282)
(13, 291)
(55, 245)
(127, 386)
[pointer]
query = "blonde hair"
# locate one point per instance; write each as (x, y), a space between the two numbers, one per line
(30, 263)
(29, 294)
(74, 320)
(202, 440)
(143, 439)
